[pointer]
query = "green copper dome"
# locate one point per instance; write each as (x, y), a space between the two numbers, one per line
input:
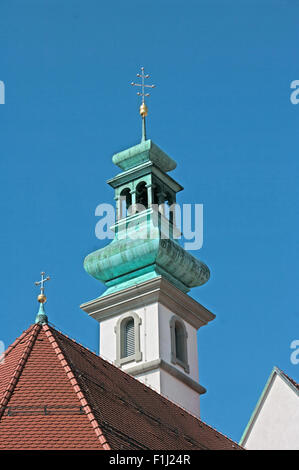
(127, 261)
(144, 245)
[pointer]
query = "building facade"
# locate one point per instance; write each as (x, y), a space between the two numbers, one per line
(274, 424)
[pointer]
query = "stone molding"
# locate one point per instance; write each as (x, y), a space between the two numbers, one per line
(161, 364)
(146, 293)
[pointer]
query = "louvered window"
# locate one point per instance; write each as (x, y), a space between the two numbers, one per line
(128, 338)
(179, 342)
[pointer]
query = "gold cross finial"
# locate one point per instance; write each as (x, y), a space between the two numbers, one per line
(143, 76)
(143, 108)
(41, 297)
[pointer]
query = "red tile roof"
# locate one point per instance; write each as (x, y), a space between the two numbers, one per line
(56, 394)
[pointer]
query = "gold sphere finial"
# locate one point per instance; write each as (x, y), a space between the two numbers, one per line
(41, 298)
(143, 110)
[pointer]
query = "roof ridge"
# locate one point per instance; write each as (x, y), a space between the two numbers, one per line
(18, 340)
(20, 366)
(78, 390)
(164, 398)
(290, 379)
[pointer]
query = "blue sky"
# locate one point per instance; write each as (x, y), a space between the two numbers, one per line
(221, 109)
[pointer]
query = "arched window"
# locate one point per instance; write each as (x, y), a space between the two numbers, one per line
(127, 332)
(128, 338)
(179, 352)
(179, 342)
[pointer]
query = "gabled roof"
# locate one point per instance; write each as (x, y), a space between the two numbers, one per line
(56, 394)
(290, 382)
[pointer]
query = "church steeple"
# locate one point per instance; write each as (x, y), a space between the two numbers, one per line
(148, 322)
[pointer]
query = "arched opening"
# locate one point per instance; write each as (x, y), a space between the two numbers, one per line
(125, 202)
(156, 191)
(141, 195)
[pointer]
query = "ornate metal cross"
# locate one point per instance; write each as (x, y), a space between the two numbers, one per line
(42, 282)
(142, 84)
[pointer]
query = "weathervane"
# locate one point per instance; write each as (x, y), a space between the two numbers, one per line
(143, 108)
(41, 316)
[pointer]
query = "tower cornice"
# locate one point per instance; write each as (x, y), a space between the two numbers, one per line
(154, 290)
(141, 170)
(144, 152)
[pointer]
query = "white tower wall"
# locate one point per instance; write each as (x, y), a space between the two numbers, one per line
(155, 304)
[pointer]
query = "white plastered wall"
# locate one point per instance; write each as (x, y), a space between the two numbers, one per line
(165, 316)
(155, 343)
(276, 425)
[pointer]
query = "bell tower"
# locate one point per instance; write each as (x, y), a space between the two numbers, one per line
(148, 323)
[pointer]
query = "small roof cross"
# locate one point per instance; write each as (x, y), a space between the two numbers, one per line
(42, 282)
(143, 108)
(142, 84)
